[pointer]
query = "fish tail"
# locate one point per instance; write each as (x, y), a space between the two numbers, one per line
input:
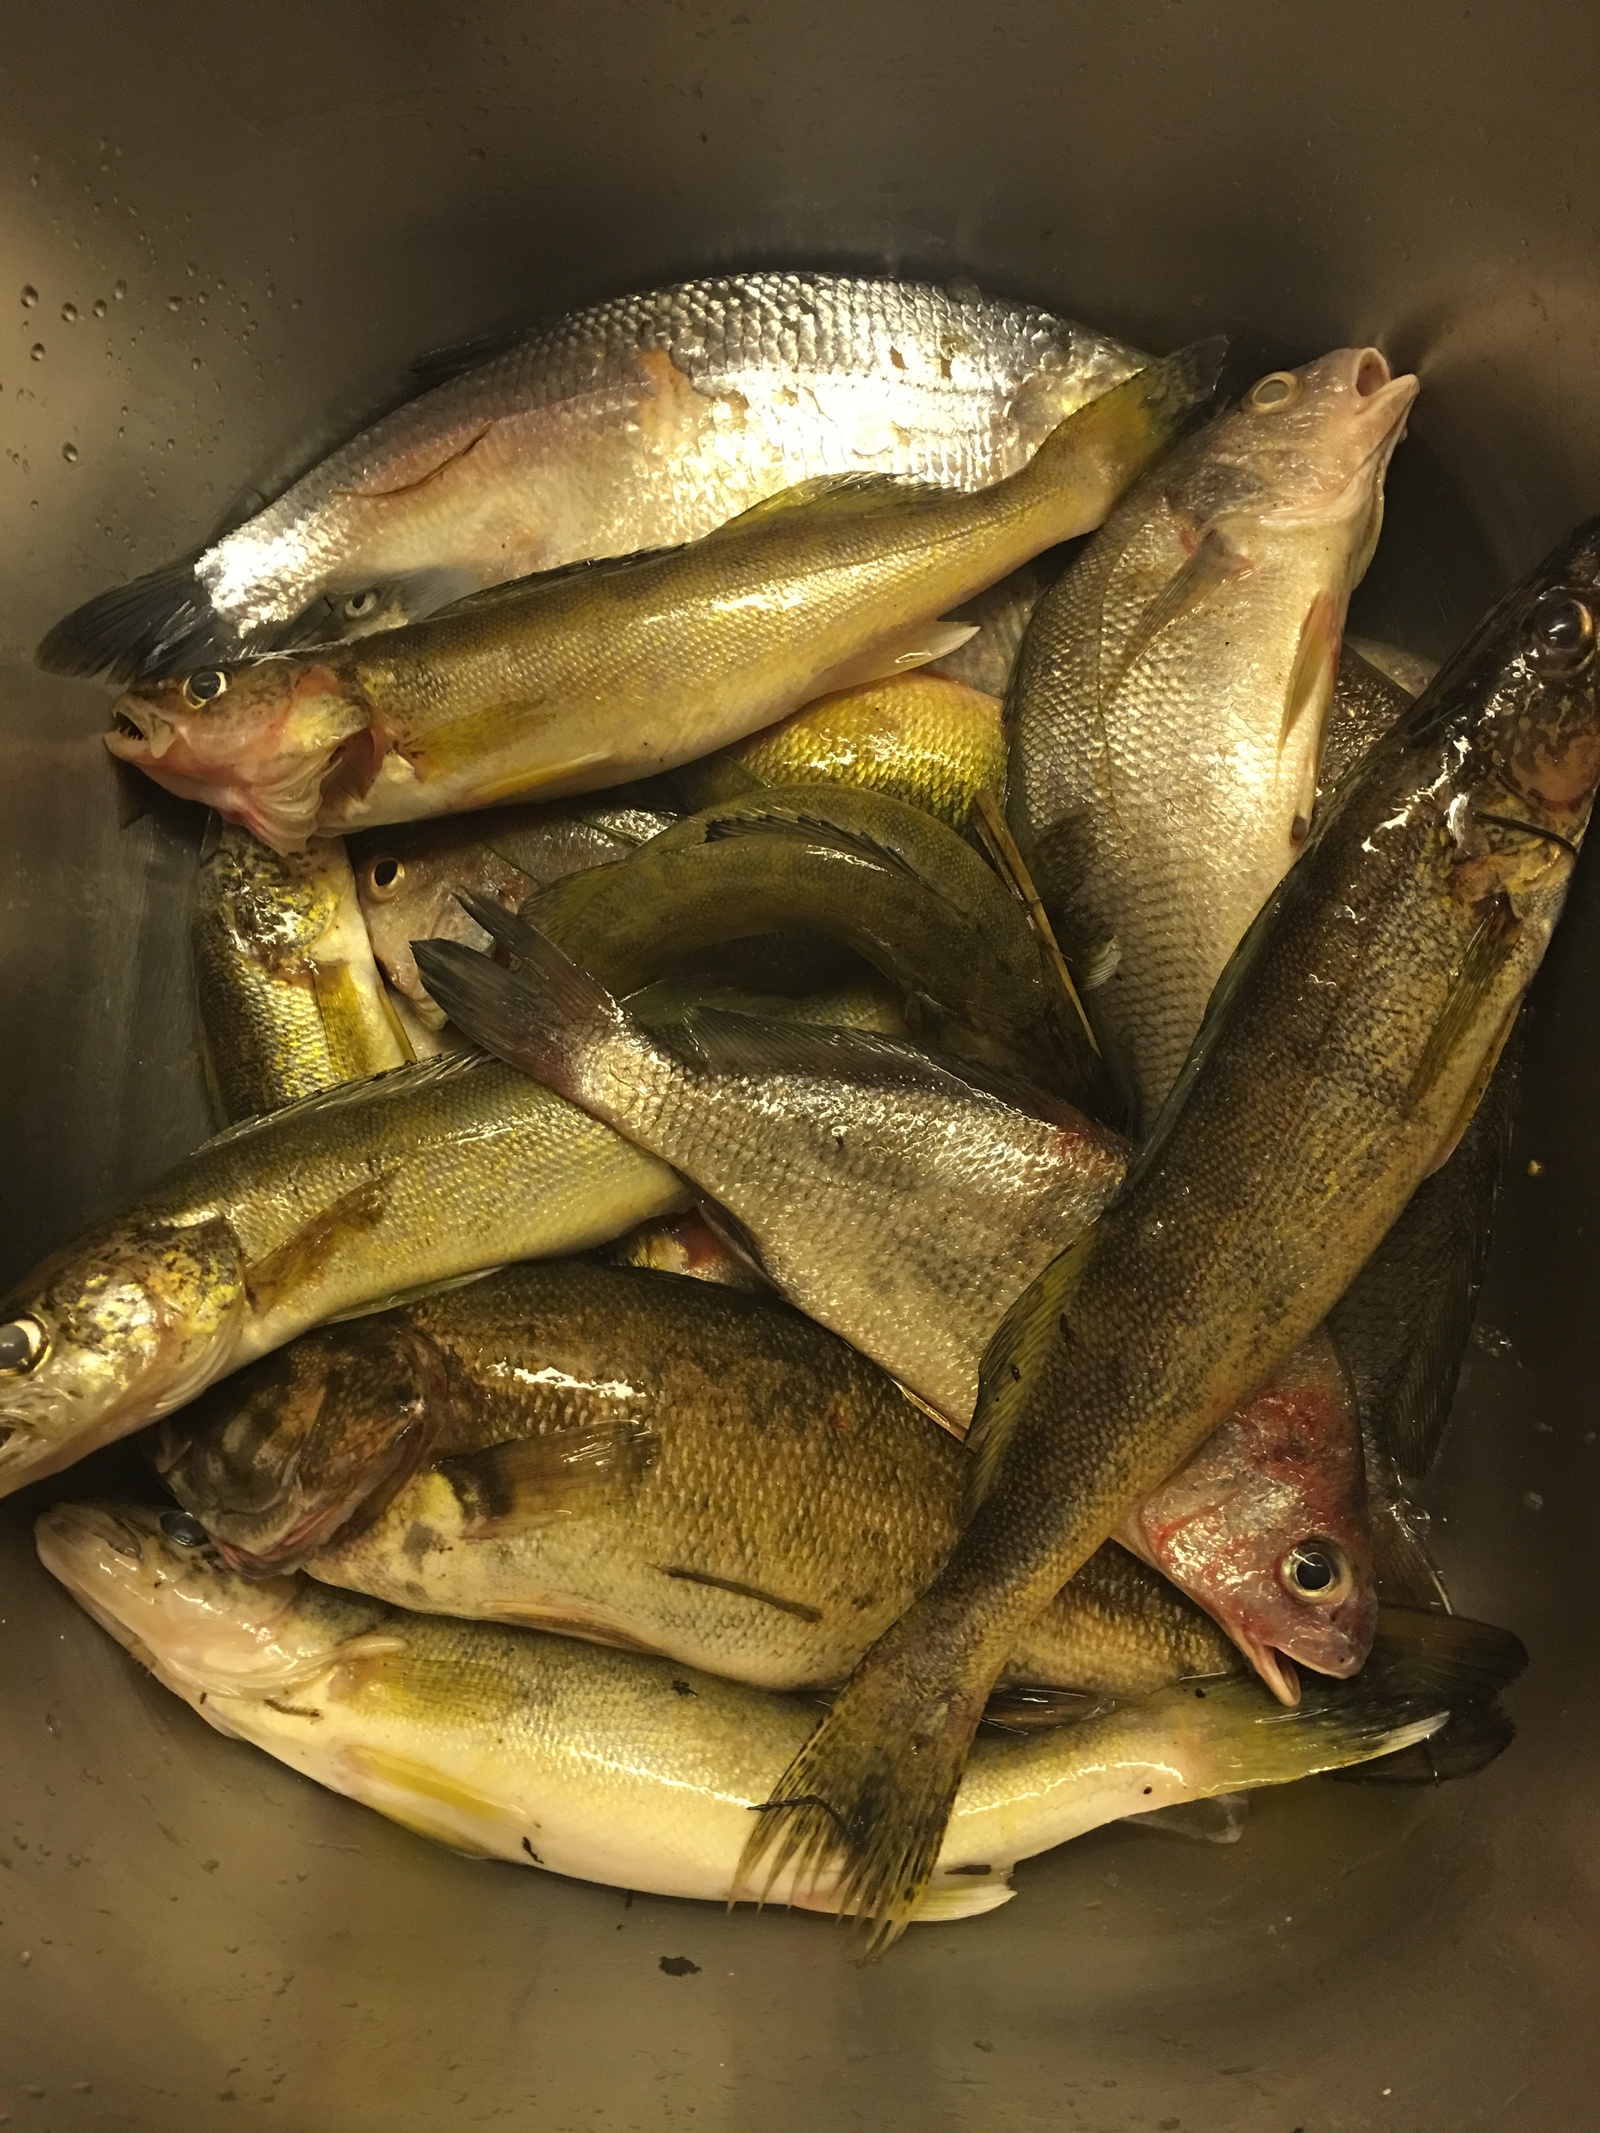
(159, 623)
(1089, 459)
(546, 1018)
(865, 1802)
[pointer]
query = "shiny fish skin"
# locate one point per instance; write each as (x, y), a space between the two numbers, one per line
(616, 671)
(290, 999)
(645, 1460)
(882, 878)
(1168, 706)
(642, 1773)
(1352, 1033)
(333, 1205)
(879, 1190)
(921, 738)
(639, 423)
(1367, 700)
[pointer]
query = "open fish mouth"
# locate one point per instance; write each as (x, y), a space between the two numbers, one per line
(1276, 1668)
(138, 736)
(1394, 399)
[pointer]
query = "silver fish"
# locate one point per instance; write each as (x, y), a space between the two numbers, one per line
(642, 422)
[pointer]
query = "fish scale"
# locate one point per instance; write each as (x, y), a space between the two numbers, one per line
(640, 422)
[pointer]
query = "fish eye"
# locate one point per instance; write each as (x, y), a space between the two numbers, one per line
(359, 604)
(1561, 634)
(1319, 1571)
(1275, 390)
(204, 686)
(24, 1344)
(183, 1531)
(384, 877)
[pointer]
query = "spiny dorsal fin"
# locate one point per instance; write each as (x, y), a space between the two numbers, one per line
(401, 1080)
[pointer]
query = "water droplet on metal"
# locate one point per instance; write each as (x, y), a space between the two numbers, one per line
(99, 307)
(69, 453)
(69, 312)
(174, 303)
(37, 351)
(30, 295)
(120, 291)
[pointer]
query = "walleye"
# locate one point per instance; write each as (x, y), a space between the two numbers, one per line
(661, 1464)
(643, 1773)
(411, 878)
(883, 878)
(1169, 702)
(337, 1204)
(1352, 1033)
(290, 999)
(882, 1191)
(642, 422)
(613, 671)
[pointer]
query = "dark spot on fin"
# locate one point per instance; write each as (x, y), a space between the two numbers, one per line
(532, 1854)
(969, 1869)
(1482, 961)
(797, 1608)
(532, 1478)
(152, 625)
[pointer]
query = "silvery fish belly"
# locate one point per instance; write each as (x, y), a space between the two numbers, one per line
(1169, 703)
(639, 423)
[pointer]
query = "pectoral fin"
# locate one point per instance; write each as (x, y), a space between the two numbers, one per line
(1482, 961)
(529, 1479)
(302, 1256)
(1316, 662)
(1212, 564)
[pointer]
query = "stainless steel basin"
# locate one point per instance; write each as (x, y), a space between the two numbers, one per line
(276, 209)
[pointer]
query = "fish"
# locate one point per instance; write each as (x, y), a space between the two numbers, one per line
(642, 422)
(1168, 706)
(902, 1205)
(290, 999)
(1267, 1525)
(868, 1003)
(882, 1190)
(688, 1245)
(923, 738)
(1002, 613)
(1352, 1033)
(643, 1773)
(340, 1203)
(1367, 700)
(410, 878)
(883, 878)
(1402, 1328)
(658, 1463)
(612, 671)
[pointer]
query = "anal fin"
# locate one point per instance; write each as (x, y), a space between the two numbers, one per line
(917, 646)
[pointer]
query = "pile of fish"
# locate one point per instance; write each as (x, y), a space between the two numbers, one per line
(857, 1146)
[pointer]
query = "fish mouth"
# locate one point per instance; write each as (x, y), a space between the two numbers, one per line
(1387, 404)
(138, 735)
(1275, 1668)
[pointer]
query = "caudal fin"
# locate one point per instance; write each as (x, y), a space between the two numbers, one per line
(868, 1796)
(1125, 429)
(160, 623)
(545, 1018)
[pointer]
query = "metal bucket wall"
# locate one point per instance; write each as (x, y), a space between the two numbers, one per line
(223, 233)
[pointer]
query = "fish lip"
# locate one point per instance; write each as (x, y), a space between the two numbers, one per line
(1275, 1668)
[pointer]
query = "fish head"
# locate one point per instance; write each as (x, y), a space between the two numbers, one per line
(1305, 451)
(259, 742)
(280, 1457)
(1266, 1527)
(114, 1332)
(1538, 755)
(155, 1581)
(410, 883)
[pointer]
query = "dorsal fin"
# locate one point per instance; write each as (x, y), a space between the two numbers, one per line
(418, 1074)
(1012, 1359)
